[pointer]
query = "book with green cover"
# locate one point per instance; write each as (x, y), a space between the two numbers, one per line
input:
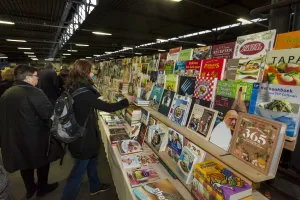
(185, 54)
(171, 82)
(169, 66)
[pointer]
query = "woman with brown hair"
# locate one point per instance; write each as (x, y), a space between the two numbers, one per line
(7, 80)
(85, 150)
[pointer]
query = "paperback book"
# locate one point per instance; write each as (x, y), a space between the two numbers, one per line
(185, 54)
(193, 68)
(146, 159)
(162, 60)
(129, 147)
(223, 50)
(205, 89)
(252, 50)
(154, 76)
(175, 144)
(280, 103)
(161, 79)
(171, 82)
(180, 109)
(130, 161)
(135, 130)
(141, 175)
(169, 66)
(142, 135)
(287, 40)
(258, 142)
(174, 53)
(166, 102)
(156, 96)
(162, 189)
(201, 53)
(197, 150)
(117, 131)
(186, 85)
(180, 68)
(145, 116)
(145, 68)
(231, 69)
(159, 137)
(214, 67)
(202, 120)
(114, 139)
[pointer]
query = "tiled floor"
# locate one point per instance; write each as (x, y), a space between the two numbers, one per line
(60, 174)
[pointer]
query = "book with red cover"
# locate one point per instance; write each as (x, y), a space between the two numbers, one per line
(162, 60)
(193, 67)
(214, 67)
(223, 50)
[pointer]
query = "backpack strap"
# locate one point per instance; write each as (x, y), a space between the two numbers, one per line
(79, 91)
(85, 124)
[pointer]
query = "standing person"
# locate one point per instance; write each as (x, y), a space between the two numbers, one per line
(25, 111)
(85, 150)
(7, 80)
(49, 82)
(62, 77)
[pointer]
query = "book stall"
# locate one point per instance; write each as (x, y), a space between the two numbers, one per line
(204, 123)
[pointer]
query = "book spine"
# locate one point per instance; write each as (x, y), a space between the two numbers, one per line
(252, 105)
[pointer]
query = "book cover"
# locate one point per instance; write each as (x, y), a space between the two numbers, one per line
(193, 67)
(180, 68)
(116, 131)
(114, 139)
(171, 82)
(287, 40)
(199, 192)
(197, 150)
(162, 60)
(145, 68)
(186, 85)
(231, 69)
(202, 53)
(142, 135)
(166, 102)
(185, 54)
(162, 189)
(252, 50)
(258, 142)
(152, 121)
(151, 130)
(174, 53)
(280, 103)
(153, 76)
(129, 146)
(146, 159)
(156, 96)
(282, 67)
(214, 67)
(221, 182)
(130, 161)
(153, 63)
(141, 175)
(202, 120)
(175, 144)
(205, 88)
(135, 130)
(231, 97)
(186, 163)
(161, 79)
(159, 137)
(169, 66)
(223, 50)
(179, 110)
(145, 116)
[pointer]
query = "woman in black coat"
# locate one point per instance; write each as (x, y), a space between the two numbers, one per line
(85, 150)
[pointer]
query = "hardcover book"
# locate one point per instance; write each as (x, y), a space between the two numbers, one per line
(166, 102)
(114, 139)
(205, 88)
(231, 97)
(175, 144)
(223, 50)
(283, 67)
(169, 66)
(135, 130)
(252, 50)
(185, 54)
(214, 67)
(174, 53)
(141, 175)
(202, 53)
(231, 69)
(159, 137)
(145, 116)
(130, 161)
(162, 189)
(197, 150)
(180, 68)
(116, 131)
(287, 40)
(280, 103)
(221, 182)
(171, 82)
(154, 76)
(258, 142)
(186, 85)
(153, 63)
(129, 146)
(180, 109)
(162, 60)
(193, 68)
(142, 135)
(202, 120)
(145, 68)
(186, 163)
(156, 96)
(161, 79)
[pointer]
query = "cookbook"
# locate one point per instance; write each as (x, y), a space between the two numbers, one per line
(175, 144)
(180, 109)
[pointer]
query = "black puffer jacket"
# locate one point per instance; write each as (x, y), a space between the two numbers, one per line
(83, 103)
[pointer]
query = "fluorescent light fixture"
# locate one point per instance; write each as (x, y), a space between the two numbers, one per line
(66, 54)
(176, 0)
(3, 57)
(101, 33)
(24, 48)
(28, 53)
(6, 22)
(107, 52)
(122, 56)
(72, 50)
(82, 45)
(12, 40)
(88, 57)
(96, 55)
(244, 21)
(34, 59)
(127, 48)
(31, 56)
(161, 40)
(161, 50)
(201, 45)
(138, 53)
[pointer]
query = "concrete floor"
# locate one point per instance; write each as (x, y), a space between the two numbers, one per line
(60, 174)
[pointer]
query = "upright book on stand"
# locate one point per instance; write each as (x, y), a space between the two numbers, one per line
(156, 96)
(214, 67)
(180, 109)
(166, 102)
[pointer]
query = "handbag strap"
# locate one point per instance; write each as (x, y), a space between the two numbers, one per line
(84, 135)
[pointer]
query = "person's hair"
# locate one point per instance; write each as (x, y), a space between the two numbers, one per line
(22, 71)
(79, 74)
(49, 65)
(8, 74)
(64, 72)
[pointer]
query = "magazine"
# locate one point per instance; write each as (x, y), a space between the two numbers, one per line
(146, 159)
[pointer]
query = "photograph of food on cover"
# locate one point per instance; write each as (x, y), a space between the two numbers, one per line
(248, 69)
(129, 146)
(200, 122)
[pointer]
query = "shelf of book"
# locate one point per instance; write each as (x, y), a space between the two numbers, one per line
(240, 168)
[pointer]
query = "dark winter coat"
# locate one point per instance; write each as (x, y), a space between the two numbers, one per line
(83, 103)
(24, 128)
(49, 83)
(4, 85)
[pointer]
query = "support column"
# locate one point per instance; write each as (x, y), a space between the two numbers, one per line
(296, 23)
(279, 18)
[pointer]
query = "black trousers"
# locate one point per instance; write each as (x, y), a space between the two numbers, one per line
(28, 178)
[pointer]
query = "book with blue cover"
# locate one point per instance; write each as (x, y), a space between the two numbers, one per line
(180, 68)
(180, 109)
(186, 85)
(156, 96)
(175, 144)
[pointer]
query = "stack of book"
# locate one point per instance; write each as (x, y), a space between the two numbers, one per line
(113, 121)
(141, 102)
(133, 115)
(123, 88)
(213, 181)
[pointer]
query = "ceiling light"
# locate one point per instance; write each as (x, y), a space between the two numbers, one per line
(3, 57)
(6, 22)
(66, 54)
(72, 50)
(34, 59)
(176, 0)
(162, 50)
(138, 53)
(12, 40)
(82, 45)
(96, 55)
(102, 33)
(31, 56)
(24, 48)
(88, 57)
(161, 40)
(127, 47)
(28, 53)
(244, 21)
(107, 52)
(201, 45)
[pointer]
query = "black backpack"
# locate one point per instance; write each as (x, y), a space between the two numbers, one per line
(64, 126)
